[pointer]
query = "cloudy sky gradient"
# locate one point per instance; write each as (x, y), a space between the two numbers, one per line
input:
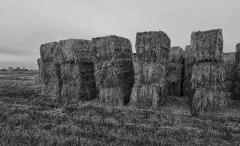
(25, 24)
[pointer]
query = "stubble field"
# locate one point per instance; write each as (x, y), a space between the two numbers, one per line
(27, 118)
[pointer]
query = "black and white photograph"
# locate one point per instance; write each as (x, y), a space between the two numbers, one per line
(119, 72)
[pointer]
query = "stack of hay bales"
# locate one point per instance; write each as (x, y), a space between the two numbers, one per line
(188, 64)
(76, 70)
(114, 71)
(229, 66)
(152, 49)
(175, 72)
(208, 73)
(49, 70)
(236, 82)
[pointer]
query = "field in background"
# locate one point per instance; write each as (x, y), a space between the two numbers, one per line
(26, 118)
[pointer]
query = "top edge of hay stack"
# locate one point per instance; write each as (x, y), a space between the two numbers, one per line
(152, 46)
(208, 45)
(73, 51)
(111, 48)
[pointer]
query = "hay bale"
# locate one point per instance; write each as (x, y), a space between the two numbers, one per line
(73, 51)
(50, 72)
(208, 45)
(152, 46)
(51, 89)
(150, 73)
(47, 51)
(78, 81)
(209, 97)
(147, 96)
(176, 55)
(208, 73)
(111, 48)
(113, 68)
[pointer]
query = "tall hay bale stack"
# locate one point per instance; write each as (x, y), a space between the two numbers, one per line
(236, 82)
(76, 67)
(189, 61)
(152, 50)
(208, 73)
(229, 65)
(175, 72)
(49, 70)
(114, 71)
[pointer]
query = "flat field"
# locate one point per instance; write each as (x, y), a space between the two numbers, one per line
(27, 118)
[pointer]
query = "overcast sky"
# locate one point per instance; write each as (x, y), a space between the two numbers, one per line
(25, 24)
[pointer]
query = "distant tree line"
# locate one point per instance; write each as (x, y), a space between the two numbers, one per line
(16, 69)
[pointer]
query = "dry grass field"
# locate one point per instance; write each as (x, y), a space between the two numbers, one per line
(27, 118)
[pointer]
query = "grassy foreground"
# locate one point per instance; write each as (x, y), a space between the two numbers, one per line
(26, 118)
